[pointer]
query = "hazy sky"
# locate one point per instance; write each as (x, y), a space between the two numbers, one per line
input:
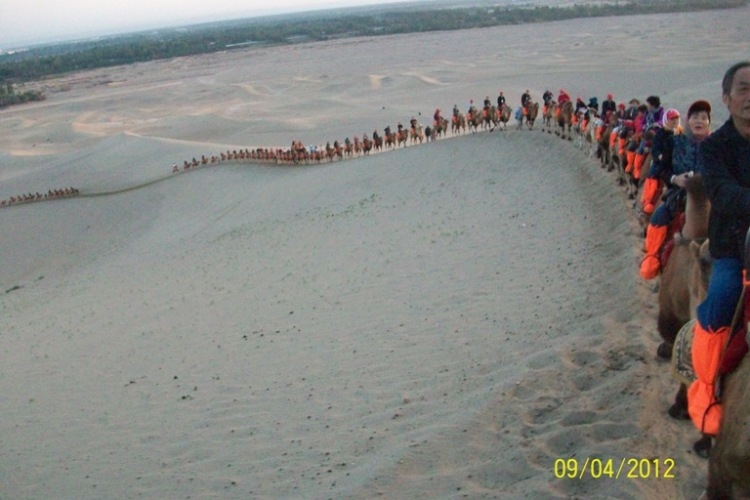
(25, 21)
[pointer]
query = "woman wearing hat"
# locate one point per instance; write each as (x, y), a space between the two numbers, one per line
(661, 154)
(674, 172)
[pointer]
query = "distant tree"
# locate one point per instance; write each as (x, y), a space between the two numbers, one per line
(56, 59)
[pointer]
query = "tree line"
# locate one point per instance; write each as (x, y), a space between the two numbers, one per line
(9, 96)
(43, 61)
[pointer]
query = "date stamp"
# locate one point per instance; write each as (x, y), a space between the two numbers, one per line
(614, 468)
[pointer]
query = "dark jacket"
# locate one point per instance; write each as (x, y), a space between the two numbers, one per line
(661, 152)
(607, 106)
(725, 165)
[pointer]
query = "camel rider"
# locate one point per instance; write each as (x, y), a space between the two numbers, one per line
(562, 98)
(580, 106)
(609, 106)
(500, 100)
(437, 117)
(594, 104)
(413, 123)
(487, 102)
(725, 167)
(525, 98)
(684, 152)
(472, 109)
(632, 110)
(661, 154)
(547, 98)
(455, 110)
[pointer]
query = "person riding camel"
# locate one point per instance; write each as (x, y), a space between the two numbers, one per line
(547, 98)
(661, 154)
(580, 105)
(609, 108)
(724, 160)
(487, 102)
(500, 100)
(684, 164)
(525, 100)
(472, 109)
(594, 104)
(436, 117)
(562, 98)
(413, 123)
(632, 111)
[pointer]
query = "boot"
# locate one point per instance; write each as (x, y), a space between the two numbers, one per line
(650, 265)
(630, 159)
(704, 408)
(650, 195)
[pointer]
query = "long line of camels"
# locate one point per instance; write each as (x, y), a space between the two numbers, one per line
(607, 137)
(488, 118)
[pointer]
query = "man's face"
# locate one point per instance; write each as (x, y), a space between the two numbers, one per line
(738, 99)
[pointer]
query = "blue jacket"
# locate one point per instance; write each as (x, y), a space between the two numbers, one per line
(725, 166)
(679, 155)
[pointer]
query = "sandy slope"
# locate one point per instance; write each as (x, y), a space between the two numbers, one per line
(445, 320)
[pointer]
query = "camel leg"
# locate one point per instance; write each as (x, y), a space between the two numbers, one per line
(668, 325)
(702, 447)
(679, 410)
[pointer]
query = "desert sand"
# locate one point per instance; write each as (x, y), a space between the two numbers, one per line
(441, 321)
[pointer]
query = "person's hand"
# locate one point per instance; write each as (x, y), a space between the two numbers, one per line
(681, 180)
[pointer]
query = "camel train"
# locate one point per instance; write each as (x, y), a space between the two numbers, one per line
(684, 275)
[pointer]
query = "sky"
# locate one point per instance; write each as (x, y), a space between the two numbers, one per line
(31, 21)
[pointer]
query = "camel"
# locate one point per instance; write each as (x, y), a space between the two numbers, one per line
(590, 142)
(458, 123)
(503, 116)
(441, 127)
(679, 290)
(565, 121)
(489, 117)
(683, 285)
(416, 134)
(377, 141)
(474, 121)
(548, 115)
(729, 461)
(532, 111)
(401, 137)
(604, 146)
(367, 144)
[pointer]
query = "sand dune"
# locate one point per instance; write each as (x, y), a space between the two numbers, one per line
(440, 321)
